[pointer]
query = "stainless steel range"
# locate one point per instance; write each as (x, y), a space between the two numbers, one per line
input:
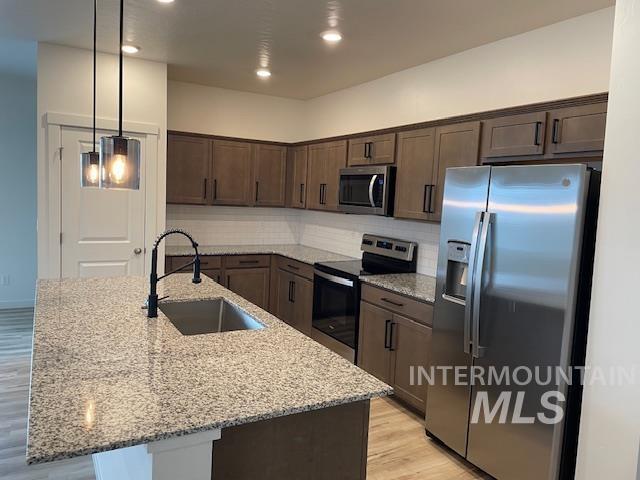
(336, 290)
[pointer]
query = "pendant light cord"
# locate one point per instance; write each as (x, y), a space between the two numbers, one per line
(120, 77)
(95, 21)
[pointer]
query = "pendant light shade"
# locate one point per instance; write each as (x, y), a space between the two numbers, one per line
(120, 155)
(121, 162)
(90, 168)
(90, 161)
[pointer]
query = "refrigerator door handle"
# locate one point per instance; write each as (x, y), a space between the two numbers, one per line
(468, 304)
(478, 350)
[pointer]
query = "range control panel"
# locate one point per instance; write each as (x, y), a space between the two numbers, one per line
(389, 247)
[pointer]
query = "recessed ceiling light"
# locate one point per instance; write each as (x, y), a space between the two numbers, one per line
(130, 49)
(331, 36)
(263, 73)
(165, 1)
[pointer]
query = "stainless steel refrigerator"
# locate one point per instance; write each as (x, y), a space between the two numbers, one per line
(513, 286)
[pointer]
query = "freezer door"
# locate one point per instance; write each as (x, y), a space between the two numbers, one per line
(525, 311)
(447, 411)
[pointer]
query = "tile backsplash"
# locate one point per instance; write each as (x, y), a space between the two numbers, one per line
(339, 233)
(214, 225)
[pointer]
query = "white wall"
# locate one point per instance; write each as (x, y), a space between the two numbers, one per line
(201, 109)
(563, 60)
(65, 86)
(610, 428)
(18, 183)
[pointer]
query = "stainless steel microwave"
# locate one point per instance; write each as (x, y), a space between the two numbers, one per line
(367, 190)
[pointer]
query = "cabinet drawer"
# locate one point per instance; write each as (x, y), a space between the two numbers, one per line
(210, 261)
(422, 312)
(247, 261)
(294, 266)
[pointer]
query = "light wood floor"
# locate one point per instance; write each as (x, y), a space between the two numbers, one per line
(398, 447)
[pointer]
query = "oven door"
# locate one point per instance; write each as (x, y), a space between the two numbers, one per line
(366, 190)
(335, 307)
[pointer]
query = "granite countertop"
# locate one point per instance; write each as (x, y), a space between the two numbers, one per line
(416, 285)
(296, 252)
(105, 377)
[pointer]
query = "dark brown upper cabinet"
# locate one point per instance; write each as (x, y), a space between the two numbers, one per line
(423, 158)
(188, 169)
(372, 150)
(577, 129)
(231, 177)
(270, 166)
(455, 146)
(515, 135)
(324, 164)
(297, 177)
(414, 173)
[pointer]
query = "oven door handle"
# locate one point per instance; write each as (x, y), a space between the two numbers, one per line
(372, 182)
(335, 279)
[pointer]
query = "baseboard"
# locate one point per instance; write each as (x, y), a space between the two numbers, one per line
(15, 304)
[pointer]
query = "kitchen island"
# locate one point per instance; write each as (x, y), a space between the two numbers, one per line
(105, 378)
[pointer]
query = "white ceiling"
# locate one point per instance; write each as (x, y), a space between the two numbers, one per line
(221, 43)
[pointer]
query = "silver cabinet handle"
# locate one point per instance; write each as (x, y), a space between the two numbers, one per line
(371, 184)
(137, 251)
(478, 351)
(471, 272)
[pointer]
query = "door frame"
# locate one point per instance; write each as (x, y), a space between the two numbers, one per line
(50, 182)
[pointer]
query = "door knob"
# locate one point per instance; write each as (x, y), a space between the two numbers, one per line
(137, 251)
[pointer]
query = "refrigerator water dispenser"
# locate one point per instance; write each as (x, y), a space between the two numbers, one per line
(457, 269)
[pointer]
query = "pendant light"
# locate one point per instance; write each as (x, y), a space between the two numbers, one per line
(120, 156)
(90, 161)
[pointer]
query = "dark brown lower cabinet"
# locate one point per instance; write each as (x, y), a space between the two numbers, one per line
(410, 343)
(250, 283)
(373, 354)
(392, 348)
(294, 300)
(330, 443)
(214, 274)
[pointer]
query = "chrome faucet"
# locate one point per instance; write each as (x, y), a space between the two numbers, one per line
(152, 302)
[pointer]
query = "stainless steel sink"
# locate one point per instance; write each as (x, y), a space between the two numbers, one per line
(208, 316)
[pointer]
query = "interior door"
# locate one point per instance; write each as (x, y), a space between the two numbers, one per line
(527, 309)
(102, 230)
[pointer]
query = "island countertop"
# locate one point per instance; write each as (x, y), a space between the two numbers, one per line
(104, 376)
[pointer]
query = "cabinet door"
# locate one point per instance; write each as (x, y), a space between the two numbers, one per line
(269, 175)
(515, 135)
(410, 343)
(213, 273)
(414, 173)
(318, 155)
(297, 181)
(231, 173)
(382, 149)
(455, 146)
(373, 354)
(357, 154)
(577, 129)
(336, 160)
(250, 283)
(188, 164)
(284, 303)
(302, 296)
